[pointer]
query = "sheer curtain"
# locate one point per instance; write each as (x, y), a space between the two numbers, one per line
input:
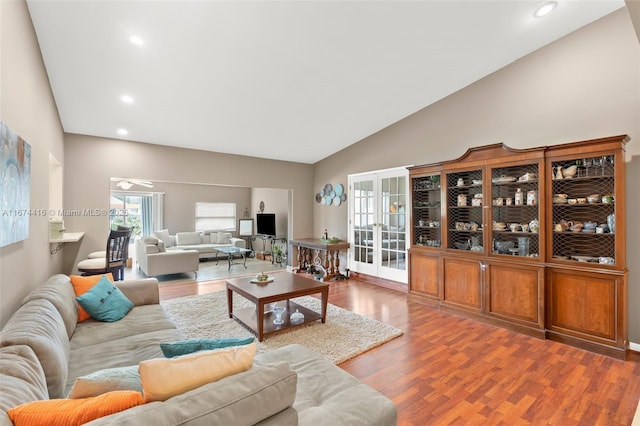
(152, 209)
(147, 215)
(157, 219)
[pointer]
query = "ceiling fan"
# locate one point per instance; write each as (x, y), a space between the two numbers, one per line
(128, 183)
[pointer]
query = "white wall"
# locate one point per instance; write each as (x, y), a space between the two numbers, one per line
(27, 106)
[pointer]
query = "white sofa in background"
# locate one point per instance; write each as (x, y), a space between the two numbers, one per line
(205, 243)
(154, 259)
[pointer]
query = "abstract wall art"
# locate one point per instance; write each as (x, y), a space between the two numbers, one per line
(15, 183)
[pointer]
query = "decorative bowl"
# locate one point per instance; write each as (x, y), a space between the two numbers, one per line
(593, 198)
(463, 246)
(503, 247)
(569, 172)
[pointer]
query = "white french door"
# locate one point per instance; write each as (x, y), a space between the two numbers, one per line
(378, 216)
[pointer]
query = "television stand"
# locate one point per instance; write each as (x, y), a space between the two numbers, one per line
(268, 254)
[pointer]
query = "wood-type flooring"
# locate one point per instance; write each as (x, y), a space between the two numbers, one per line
(450, 370)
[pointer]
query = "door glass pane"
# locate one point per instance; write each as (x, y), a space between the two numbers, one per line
(393, 216)
(363, 221)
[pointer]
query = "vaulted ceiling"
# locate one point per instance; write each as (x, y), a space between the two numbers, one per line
(288, 80)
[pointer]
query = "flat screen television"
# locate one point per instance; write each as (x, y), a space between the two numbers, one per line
(266, 224)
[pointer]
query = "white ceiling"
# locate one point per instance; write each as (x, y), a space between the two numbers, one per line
(288, 80)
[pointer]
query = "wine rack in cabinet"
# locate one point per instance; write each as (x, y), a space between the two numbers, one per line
(529, 239)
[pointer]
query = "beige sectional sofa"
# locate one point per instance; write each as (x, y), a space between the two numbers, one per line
(43, 350)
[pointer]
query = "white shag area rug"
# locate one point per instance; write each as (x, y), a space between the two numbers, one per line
(343, 336)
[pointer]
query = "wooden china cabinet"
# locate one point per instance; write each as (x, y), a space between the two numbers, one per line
(529, 239)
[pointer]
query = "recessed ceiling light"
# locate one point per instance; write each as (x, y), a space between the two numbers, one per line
(137, 40)
(123, 132)
(126, 99)
(545, 9)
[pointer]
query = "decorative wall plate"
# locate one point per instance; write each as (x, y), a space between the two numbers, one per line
(331, 195)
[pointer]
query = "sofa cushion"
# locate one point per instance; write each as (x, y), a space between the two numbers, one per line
(164, 236)
(224, 238)
(83, 284)
(164, 378)
(38, 324)
(107, 380)
(120, 352)
(140, 320)
(330, 395)
(242, 399)
(71, 412)
(59, 291)
(188, 238)
(21, 377)
(105, 302)
(184, 347)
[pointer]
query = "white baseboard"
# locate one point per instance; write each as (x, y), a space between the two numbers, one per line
(634, 346)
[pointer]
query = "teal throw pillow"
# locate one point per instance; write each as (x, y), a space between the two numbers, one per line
(184, 347)
(105, 302)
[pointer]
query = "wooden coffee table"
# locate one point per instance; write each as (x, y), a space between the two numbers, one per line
(284, 286)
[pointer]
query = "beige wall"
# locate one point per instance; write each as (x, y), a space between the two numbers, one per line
(583, 86)
(275, 201)
(180, 201)
(27, 106)
(91, 161)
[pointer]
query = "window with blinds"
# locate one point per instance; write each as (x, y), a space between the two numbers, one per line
(215, 216)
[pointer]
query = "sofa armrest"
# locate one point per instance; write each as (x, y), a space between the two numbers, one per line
(239, 242)
(140, 292)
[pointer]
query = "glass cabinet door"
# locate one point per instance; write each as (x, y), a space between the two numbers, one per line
(426, 211)
(584, 210)
(515, 210)
(464, 211)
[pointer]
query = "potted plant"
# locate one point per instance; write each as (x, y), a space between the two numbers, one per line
(277, 252)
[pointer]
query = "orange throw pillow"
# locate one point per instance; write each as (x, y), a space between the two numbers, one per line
(70, 412)
(83, 284)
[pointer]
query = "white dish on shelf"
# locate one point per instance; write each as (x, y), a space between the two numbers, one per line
(503, 179)
(585, 258)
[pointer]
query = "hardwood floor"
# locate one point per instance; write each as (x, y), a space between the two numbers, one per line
(447, 369)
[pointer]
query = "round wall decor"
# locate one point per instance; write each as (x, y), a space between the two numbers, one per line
(331, 195)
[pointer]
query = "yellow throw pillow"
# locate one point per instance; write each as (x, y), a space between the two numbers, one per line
(71, 412)
(83, 284)
(164, 378)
